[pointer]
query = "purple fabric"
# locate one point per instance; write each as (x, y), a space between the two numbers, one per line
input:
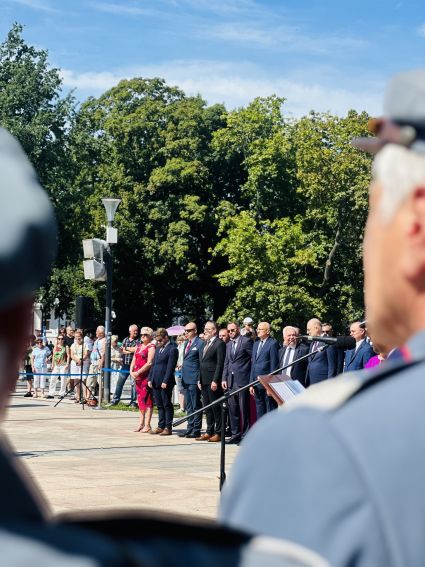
(374, 361)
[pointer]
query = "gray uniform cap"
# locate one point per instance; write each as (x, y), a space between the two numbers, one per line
(27, 225)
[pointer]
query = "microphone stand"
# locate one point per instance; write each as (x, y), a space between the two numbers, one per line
(224, 401)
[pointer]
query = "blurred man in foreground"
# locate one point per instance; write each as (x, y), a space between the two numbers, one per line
(342, 470)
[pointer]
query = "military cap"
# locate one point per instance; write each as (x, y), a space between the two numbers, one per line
(27, 225)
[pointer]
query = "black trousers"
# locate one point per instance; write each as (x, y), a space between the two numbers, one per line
(239, 413)
(212, 415)
(162, 398)
(263, 403)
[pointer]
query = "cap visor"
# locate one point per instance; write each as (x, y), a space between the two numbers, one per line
(370, 145)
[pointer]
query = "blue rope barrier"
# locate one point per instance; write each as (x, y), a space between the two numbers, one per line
(114, 370)
(54, 374)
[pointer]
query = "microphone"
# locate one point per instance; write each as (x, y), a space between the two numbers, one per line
(338, 342)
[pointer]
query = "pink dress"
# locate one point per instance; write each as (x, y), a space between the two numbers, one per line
(144, 394)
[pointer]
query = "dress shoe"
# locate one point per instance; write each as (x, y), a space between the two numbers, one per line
(233, 441)
(49, 397)
(203, 437)
(191, 436)
(166, 432)
(157, 431)
(181, 434)
(216, 438)
(28, 395)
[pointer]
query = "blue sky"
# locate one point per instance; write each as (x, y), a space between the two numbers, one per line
(328, 56)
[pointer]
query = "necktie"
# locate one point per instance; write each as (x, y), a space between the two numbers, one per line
(207, 344)
(260, 346)
(189, 344)
(287, 356)
(161, 349)
(315, 346)
(233, 348)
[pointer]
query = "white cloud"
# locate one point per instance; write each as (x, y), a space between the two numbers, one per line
(281, 37)
(39, 5)
(121, 9)
(238, 84)
(421, 30)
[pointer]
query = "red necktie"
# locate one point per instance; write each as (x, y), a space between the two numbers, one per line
(189, 344)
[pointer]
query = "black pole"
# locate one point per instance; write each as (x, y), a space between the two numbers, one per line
(108, 333)
(224, 411)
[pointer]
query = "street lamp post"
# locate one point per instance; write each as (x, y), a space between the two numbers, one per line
(56, 304)
(111, 206)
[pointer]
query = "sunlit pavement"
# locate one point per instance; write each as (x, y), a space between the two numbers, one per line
(91, 459)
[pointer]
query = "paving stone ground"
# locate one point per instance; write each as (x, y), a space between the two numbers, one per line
(85, 460)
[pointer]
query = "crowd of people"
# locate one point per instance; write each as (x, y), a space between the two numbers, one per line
(200, 366)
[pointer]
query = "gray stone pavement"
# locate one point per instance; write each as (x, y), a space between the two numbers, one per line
(91, 460)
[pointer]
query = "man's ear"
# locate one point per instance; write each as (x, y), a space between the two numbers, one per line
(413, 260)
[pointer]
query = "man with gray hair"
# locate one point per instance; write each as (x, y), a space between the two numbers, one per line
(291, 350)
(352, 449)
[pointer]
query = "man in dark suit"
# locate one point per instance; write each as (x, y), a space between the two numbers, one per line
(190, 379)
(324, 364)
(356, 358)
(236, 373)
(162, 381)
(291, 350)
(265, 359)
(211, 357)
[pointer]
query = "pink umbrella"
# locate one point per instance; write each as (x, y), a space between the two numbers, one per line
(175, 330)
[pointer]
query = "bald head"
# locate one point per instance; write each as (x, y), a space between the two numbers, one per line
(314, 327)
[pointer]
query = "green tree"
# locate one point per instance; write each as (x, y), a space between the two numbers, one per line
(307, 262)
(149, 144)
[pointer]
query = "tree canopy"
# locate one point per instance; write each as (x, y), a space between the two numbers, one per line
(223, 214)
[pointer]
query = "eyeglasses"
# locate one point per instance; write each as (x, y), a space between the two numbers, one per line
(189, 330)
(231, 330)
(144, 335)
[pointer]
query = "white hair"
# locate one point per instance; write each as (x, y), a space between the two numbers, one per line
(399, 171)
(290, 328)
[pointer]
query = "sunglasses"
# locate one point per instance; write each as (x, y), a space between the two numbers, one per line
(144, 335)
(188, 330)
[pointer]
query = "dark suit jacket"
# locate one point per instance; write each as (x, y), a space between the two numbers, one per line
(299, 369)
(237, 368)
(322, 365)
(190, 367)
(267, 360)
(164, 365)
(356, 360)
(212, 363)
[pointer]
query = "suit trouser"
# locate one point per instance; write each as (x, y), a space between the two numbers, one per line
(263, 403)
(192, 397)
(162, 398)
(213, 415)
(239, 413)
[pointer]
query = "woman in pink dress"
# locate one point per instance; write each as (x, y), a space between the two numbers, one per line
(139, 371)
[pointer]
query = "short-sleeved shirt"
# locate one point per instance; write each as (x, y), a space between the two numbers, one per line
(68, 341)
(98, 350)
(129, 343)
(40, 356)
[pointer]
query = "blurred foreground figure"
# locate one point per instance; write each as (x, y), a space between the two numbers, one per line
(341, 471)
(28, 535)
